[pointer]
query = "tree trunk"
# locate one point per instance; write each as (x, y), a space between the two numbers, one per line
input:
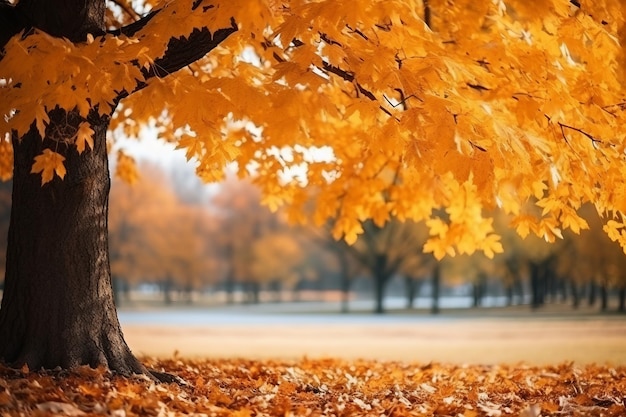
(253, 293)
(230, 291)
(229, 281)
(380, 280)
(509, 294)
(118, 289)
(516, 286)
(478, 292)
(622, 299)
(189, 294)
(563, 290)
(346, 281)
(604, 297)
(575, 295)
(519, 289)
(277, 288)
(167, 286)
(345, 297)
(592, 294)
(58, 307)
(537, 282)
(256, 293)
(436, 286)
(411, 285)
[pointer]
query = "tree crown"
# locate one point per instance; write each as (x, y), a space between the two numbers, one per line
(429, 111)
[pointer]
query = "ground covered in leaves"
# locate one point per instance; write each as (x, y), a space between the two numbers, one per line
(246, 388)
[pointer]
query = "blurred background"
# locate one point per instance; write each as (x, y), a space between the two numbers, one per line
(206, 270)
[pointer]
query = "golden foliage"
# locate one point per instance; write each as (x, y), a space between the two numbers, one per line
(229, 388)
(126, 168)
(48, 164)
(365, 109)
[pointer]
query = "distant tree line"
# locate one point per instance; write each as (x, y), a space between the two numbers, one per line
(186, 242)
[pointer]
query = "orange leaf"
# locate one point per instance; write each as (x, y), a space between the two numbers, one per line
(48, 164)
(84, 136)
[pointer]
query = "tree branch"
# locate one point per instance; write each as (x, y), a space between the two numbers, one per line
(131, 29)
(11, 23)
(593, 139)
(127, 9)
(180, 52)
(427, 14)
(184, 51)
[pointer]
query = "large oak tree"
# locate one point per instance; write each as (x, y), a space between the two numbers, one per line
(433, 111)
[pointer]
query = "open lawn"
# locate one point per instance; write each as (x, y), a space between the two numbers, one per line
(493, 336)
(259, 363)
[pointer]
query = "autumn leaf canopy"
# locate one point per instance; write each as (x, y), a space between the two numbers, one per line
(433, 111)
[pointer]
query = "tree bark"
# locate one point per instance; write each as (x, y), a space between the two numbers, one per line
(58, 307)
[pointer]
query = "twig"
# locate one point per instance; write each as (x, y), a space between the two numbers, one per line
(127, 9)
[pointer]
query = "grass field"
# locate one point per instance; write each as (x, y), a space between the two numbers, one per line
(234, 363)
(492, 336)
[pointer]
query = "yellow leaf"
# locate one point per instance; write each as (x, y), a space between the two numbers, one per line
(48, 163)
(523, 224)
(612, 229)
(538, 188)
(492, 245)
(126, 168)
(438, 248)
(6, 159)
(84, 135)
(41, 119)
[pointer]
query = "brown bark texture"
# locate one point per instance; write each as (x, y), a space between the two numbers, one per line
(58, 308)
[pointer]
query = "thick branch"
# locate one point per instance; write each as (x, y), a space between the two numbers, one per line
(71, 19)
(185, 51)
(11, 23)
(180, 52)
(131, 29)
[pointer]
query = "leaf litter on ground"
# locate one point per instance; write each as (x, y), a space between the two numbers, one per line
(319, 387)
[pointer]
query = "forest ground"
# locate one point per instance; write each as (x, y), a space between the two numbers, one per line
(553, 335)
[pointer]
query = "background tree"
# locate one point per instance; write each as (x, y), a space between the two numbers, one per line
(593, 261)
(131, 253)
(277, 258)
(155, 237)
(417, 267)
(242, 222)
(340, 264)
(383, 252)
(371, 110)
